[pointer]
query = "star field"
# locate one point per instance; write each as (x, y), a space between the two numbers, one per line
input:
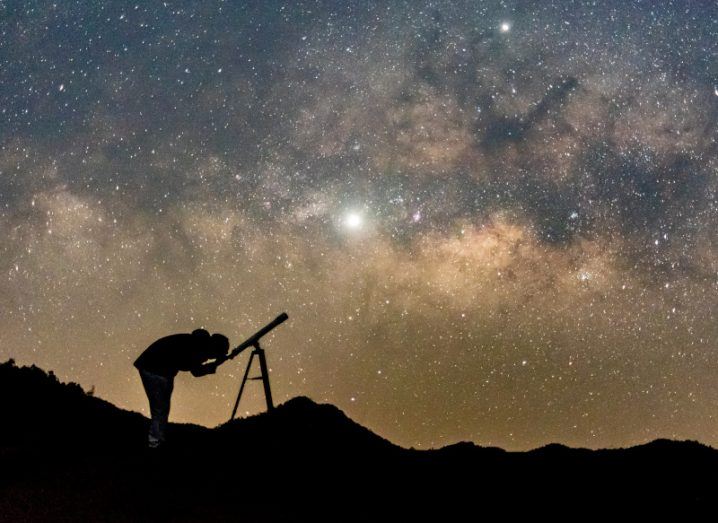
(487, 220)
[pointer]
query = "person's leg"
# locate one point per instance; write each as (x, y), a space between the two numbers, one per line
(163, 399)
(159, 392)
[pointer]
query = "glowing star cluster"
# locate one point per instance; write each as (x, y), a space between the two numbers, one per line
(488, 221)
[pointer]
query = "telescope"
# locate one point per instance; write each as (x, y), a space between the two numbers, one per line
(253, 341)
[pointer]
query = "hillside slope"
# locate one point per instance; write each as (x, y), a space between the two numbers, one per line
(65, 455)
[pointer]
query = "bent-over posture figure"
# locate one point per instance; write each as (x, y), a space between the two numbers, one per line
(160, 363)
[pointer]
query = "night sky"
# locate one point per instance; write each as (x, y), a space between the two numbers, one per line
(491, 221)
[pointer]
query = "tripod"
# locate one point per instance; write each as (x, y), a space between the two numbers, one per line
(264, 376)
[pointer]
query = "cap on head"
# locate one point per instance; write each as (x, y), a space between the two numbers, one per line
(200, 333)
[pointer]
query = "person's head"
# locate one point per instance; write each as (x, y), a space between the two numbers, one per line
(218, 345)
(201, 333)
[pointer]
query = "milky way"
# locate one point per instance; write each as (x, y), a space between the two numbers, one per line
(487, 221)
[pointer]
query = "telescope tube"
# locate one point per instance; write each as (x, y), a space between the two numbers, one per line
(254, 339)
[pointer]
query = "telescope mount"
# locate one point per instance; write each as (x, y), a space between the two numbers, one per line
(258, 351)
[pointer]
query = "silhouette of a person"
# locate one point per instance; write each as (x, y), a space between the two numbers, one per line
(162, 360)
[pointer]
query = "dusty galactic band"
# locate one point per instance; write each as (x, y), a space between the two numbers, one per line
(198, 353)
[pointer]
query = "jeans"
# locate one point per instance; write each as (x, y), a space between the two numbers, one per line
(159, 391)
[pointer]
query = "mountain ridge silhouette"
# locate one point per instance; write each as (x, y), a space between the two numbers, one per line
(65, 454)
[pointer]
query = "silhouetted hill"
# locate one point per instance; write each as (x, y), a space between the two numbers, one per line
(65, 455)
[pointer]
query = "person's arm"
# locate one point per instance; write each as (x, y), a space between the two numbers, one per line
(204, 369)
(207, 368)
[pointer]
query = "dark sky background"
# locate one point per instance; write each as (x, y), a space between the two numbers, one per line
(488, 221)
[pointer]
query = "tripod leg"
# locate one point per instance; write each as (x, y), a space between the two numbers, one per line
(265, 380)
(241, 387)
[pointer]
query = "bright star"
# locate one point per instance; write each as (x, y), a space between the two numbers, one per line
(584, 276)
(353, 220)
(505, 27)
